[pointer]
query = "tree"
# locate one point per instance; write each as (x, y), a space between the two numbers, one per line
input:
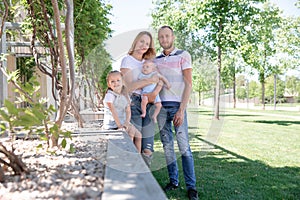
(259, 47)
(44, 23)
(270, 92)
(232, 65)
(203, 77)
(91, 30)
(288, 44)
(241, 87)
(292, 86)
(254, 89)
(217, 24)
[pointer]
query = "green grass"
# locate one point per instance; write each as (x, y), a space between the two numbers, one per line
(245, 155)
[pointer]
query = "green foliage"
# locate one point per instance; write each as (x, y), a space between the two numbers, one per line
(288, 44)
(241, 93)
(280, 86)
(254, 89)
(248, 32)
(203, 75)
(34, 118)
(96, 67)
(293, 85)
(258, 48)
(42, 20)
(91, 25)
(26, 66)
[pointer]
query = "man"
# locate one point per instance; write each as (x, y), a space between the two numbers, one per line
(176, 66)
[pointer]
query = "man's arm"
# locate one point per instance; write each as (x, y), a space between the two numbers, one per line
(187, 77)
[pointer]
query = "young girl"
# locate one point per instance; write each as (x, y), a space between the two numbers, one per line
(117, 112)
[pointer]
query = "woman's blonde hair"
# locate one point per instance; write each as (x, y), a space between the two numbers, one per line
(150, 53)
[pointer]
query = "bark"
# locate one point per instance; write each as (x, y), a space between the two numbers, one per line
(63, 103)
(4, 17)
(76, 114)
(217, 94)
(2, 178)
(14, 161)
(234, 91)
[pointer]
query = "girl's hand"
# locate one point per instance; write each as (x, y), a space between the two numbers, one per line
(122, 128)
(126, 124)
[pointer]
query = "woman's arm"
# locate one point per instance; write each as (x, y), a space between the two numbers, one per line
(131, 86)
(152, 95)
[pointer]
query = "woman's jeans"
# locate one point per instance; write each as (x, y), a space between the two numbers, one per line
(145, 125)
(165, 120)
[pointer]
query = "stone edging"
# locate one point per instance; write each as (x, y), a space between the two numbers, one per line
(126, 174)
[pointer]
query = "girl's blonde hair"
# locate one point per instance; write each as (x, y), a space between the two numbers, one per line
(150, 53)
(124, 90)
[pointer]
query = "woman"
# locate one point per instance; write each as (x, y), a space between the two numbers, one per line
(141, 49)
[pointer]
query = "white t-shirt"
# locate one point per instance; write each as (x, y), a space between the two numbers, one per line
(120, 103)
(135, 66)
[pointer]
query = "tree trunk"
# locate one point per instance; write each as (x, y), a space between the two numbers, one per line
(63, 101)
(234, 91)
(275, 86)
(263, 95)
(14, 161)
(217, 93)
(2, 178)
(200, 98)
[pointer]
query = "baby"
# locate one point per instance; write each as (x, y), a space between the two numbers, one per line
(148, 70)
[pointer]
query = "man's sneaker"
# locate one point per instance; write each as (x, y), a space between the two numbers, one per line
(192, 194)
(170, 186)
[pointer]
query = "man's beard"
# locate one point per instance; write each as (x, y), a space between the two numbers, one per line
(167, 46)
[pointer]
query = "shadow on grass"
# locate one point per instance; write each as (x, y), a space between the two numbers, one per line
(223, 174)
(210, 113)
(278, 122)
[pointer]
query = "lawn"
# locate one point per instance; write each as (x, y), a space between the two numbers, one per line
(247, 154)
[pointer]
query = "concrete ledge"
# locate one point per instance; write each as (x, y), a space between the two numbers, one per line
(90, 115)
(126, 174)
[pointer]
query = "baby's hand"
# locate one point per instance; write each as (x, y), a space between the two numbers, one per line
(154, 78)
(168, 86)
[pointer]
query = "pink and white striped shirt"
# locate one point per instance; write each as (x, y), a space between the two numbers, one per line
(171, 67)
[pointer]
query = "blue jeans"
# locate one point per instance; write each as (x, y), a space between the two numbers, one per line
(145, 125)
(165, 120)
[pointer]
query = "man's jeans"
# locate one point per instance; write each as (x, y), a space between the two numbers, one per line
(165, 120)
